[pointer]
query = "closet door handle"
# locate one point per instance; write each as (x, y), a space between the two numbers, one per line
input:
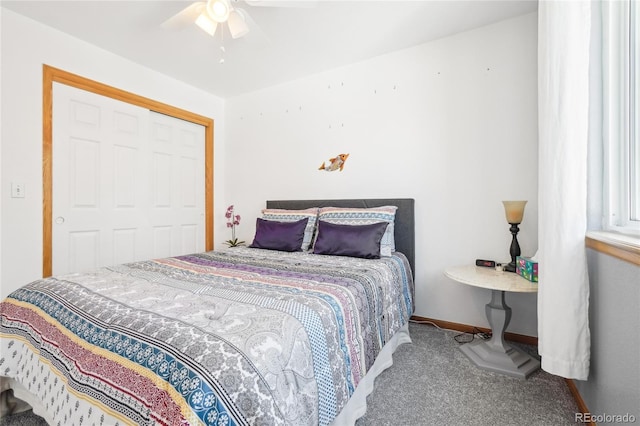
(59, 220)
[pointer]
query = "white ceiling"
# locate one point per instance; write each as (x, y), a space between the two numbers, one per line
(289, 43)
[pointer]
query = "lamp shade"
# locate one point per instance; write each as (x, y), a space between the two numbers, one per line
(237, 25)
(207, 24)
(514, 211)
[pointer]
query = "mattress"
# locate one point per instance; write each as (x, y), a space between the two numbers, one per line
(233, 337)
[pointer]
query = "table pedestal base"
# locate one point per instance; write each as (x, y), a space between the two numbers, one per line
(511, 361)
(495, 354)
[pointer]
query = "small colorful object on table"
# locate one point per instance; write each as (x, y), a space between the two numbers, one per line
(527, 268)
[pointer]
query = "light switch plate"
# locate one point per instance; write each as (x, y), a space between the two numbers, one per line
(17, 190)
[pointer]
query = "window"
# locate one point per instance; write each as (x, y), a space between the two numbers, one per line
(621, 44)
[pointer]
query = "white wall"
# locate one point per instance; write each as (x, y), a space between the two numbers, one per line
(26, 46)
(1, 182)
(451, 123)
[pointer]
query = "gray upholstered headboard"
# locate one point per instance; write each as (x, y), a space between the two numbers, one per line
(405, 236)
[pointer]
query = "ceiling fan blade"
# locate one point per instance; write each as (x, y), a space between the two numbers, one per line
(186, 16)
(282, 3)
(256, 35)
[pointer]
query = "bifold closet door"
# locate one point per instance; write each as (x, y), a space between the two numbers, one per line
(128, 183)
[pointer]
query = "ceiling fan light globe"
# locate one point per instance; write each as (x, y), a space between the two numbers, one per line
(237, 25)
(218, 10)
(207, 24)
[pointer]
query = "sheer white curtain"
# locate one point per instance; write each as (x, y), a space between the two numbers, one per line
(563, 114)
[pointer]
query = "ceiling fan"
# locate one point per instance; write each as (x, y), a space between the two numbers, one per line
(210, 14)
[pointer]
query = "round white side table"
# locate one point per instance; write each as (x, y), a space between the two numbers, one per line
(494, 354)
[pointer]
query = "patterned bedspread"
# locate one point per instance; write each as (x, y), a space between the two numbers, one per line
(238, 336)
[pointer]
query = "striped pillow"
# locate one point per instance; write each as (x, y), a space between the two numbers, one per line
(284, 215)
(365, 216)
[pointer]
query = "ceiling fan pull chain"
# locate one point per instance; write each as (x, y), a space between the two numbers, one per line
(222, 45)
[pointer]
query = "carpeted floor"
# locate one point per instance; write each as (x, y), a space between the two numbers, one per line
(26, 418)
(432, 383)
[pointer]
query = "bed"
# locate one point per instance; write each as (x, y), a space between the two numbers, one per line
(243, 336)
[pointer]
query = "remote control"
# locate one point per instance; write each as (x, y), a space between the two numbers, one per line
(486, 263)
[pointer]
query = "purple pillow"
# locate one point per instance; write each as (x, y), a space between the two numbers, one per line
(283, 236)
(350, 240)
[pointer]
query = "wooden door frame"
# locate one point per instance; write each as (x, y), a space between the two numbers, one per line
(51, 75)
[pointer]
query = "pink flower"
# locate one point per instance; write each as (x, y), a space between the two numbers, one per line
(232, 222)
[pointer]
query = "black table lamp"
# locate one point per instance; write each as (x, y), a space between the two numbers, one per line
(514, 210)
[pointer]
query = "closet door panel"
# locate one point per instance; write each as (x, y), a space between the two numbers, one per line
(128, 183)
